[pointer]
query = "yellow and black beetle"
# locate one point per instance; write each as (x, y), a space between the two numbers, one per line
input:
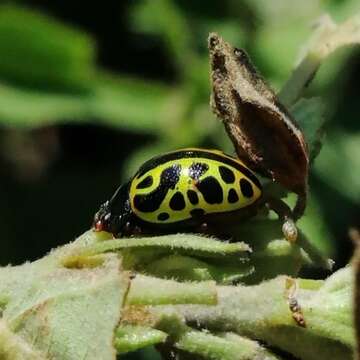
(184, 190)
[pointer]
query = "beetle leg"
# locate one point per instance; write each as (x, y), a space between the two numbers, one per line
(285, 214)
(130, 230)
(136, 230)
(127, 230)
(204, 227)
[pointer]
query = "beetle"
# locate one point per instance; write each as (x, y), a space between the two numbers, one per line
(190, 189)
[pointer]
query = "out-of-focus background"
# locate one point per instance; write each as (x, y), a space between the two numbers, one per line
(87, 93)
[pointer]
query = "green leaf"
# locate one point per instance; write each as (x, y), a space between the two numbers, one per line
(162, 17)
(26, 108)
(315, 228)
(196, 257)
(49, 310)
(133, 104)
(61, 313)
(122, 102)
(39, 51)
(339, 164)
(189, 268)
(59, 81)
(14, 347)
(182, 243)
(309, 114)
(327, 38)
(278, 60)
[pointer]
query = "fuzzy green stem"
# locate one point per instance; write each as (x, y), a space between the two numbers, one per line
(300, 78)
(145, 290)
(184, 243)
(227, 347)
(130, 338)
(264, 312)
(327, 38)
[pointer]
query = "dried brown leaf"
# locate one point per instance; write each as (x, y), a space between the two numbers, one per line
(262, 130)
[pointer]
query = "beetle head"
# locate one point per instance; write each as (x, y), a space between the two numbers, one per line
(113, 215)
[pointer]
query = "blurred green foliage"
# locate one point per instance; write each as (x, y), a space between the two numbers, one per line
(50, 77)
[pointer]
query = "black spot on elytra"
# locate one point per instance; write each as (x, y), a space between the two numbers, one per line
(232, 196)
(163, 216)
(193, 197)
(197, 212)
(196, 153)
(211, 190)
(152, 201)
(246, 188)
(226, 174)
(196, 170)
(148, 181)
(177, 202)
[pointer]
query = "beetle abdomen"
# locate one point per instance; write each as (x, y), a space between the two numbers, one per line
(189, 183)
